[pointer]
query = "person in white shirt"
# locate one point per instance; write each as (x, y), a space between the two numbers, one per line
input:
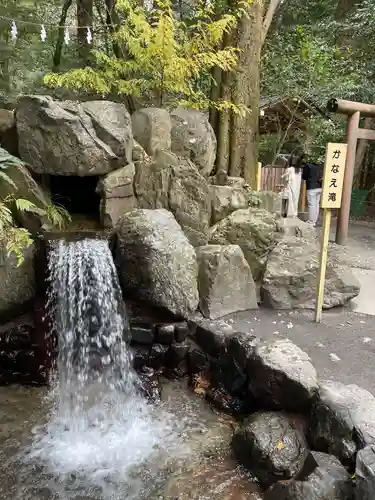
(292, 178)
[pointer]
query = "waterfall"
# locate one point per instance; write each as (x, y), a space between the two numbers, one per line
(101, 435)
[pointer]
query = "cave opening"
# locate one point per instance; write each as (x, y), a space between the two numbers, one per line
(76, 194)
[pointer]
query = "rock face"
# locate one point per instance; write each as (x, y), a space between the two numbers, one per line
(194, 138)
(225, 200)
(225, 281)
(156, 261)
(270, 201)
(282, 376)
(152, 129)
(8, 132)
(270, 447)
(24, 187)
(342, 420)
(254, 230)
(365, 474)
(324, 478)
(175, 184)
(290, 278)
(292, 226)
(71, 138)
(117, 195)
(17, 282)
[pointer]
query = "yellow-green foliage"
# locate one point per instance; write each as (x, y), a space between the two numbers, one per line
(164, 57)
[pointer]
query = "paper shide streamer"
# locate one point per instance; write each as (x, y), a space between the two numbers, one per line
(14, 31)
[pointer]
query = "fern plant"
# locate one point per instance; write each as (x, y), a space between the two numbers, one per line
(13, 238)
(165, 57)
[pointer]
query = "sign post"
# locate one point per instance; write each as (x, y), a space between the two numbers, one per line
(333, 180)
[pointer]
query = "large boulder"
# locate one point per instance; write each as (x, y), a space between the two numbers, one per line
(254, 230)
(72, 138)
(293, 226)
(342, 420)
(271, 201)
(193, 137)
(117, 195)
(17, 282)
(282, 376)
(8, 131)
(323, 478)
(225, 200)
(365, 474)
(156, 261)
(152, 129)
(175, 184)
(270, 446)
(225, 281)
(290, 279)
(23, 186)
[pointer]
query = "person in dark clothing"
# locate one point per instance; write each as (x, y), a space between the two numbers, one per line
(313, 176)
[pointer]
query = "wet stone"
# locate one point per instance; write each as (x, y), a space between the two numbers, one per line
(176, 354)
(19, 337)
(140, 356)
(365, 474)
(197, 360)
(323, 478)
(181, 331)
(212, 335)
(224, 401)
(270, 446)
(240, 347)
(282, 376)
(142, 333)
(157, 357)
(342, 420)
(165, 334)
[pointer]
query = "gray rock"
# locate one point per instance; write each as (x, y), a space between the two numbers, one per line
(282, 376)
(235, 182)
(323, 478)
(24, 187)
(8, 131)
(365, 474)
(225, 282)
(72, 138)
(193, 137)
(342, 420)
(293, 226)
(211, 335)
(156, 261)
(270, 446)
(225, 200)
(290, 279)
(254, 230)
(152, 129)
(17, 282)
(270, 201)
(138, 153)
(117, 193)
(175, 184)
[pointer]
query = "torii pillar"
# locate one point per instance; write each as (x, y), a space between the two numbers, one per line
(354, 111)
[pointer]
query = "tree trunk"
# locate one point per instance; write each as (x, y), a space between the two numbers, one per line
(60, 39)
(246, 92)
(84, 18)
(272, 8)
(215, 96)
(361, 150)
(344, 7)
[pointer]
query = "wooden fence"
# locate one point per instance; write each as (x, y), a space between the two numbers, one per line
(271, 180)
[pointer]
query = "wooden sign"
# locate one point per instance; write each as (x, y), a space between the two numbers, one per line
(333, 176)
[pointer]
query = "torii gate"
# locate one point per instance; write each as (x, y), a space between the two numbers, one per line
(354, 111)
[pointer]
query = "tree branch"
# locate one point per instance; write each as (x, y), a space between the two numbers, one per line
(60, 39)
(268, 18)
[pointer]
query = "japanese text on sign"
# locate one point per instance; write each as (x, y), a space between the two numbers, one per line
(333, 176)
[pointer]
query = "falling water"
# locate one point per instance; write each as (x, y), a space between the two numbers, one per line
(102, 436)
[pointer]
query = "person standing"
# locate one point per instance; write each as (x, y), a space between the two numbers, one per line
(313, 176)
(290, 195)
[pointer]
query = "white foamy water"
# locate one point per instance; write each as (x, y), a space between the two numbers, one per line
(102, 438)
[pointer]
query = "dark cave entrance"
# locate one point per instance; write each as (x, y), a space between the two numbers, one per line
(76, 194)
